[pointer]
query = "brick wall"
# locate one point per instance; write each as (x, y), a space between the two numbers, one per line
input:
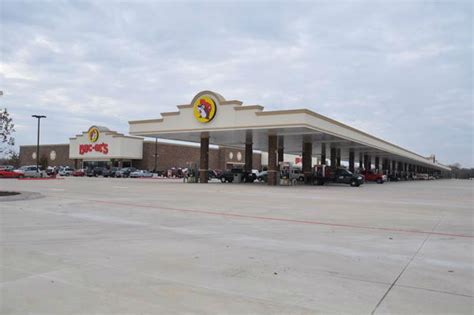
(172, 155)
(62, 154)
(169, 155)
(236, 156)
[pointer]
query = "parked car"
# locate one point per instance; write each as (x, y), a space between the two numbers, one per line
(90, 172)
(4, 173)
(113, 171)
(229, 176)
(421, 176)
(94, 172)
(262, 176)
(211, 174)
(324, 174)
(125, 172)
(79, 173)
(297, 174)
(174, 172)
(393, 178)
(65, 171)
(249, 177)
(106, 172)
(6, 168)
(31, 171)
(118, 172)
(372, 176)
(141, 174)
(51, 170)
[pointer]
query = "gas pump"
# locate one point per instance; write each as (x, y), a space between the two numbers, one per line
(286, 169)
(192, 173)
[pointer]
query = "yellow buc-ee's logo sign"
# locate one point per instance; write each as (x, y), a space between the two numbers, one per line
(204, 109)
(93, 134)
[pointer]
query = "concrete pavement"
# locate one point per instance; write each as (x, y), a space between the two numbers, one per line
(103, 246)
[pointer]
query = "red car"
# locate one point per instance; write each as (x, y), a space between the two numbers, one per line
(79, 173)
(10, 174)
(371, 176)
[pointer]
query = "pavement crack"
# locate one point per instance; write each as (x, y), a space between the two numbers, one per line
(405, 268)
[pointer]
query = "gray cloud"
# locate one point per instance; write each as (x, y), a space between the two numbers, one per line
(399, 70)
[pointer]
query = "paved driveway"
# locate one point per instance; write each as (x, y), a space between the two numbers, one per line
(95, 245)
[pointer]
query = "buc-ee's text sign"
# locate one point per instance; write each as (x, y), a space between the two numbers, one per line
(93, 135)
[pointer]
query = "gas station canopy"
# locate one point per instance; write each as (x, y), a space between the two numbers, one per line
(228, 122)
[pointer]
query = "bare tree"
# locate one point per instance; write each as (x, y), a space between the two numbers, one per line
(457, 171)
(7, 128)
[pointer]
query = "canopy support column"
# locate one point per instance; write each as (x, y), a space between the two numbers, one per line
(385, 166)
(281, 153)
(272, 160)
(351, 160)
(333, 157)
(367, 162)
(204, 160)
(307, 161)
(338, 157)
(323, 153)
(248, 156)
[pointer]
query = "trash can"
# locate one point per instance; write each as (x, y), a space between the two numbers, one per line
(285, 181)
(237, 178)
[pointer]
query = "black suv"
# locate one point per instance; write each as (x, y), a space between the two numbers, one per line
(95, 172)
(338, 175)
(125, 172)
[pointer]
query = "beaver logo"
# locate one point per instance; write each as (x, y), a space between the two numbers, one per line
(93, 134)
(204, 109)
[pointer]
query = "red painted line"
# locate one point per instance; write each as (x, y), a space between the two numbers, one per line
(158, 178)
(45, 178)
(236, 215)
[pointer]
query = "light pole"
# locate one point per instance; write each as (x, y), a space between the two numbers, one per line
(38, 140)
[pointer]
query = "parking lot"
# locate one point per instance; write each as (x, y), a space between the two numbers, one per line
(149, 246)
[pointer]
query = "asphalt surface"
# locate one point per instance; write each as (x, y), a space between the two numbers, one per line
(151, 246)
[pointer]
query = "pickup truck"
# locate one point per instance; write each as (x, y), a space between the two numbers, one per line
(371, 176)
(228, 176)
(323, 174)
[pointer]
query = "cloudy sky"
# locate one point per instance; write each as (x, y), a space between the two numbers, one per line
(401, 70)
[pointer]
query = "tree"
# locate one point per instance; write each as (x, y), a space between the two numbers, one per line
(43, 162)
(457, 171)
(7, 128)
(14, 159)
